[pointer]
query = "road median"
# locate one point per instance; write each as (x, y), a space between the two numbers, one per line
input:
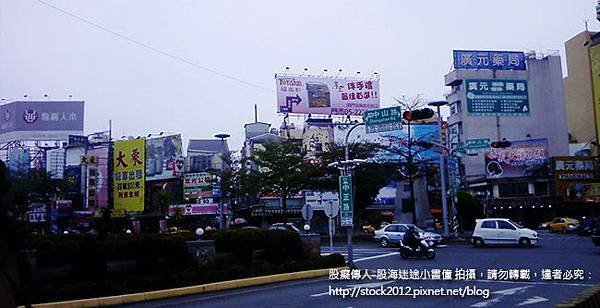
(185, 291)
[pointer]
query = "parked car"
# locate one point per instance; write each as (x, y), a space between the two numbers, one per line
(371, 229)
(393, 234)
(563, 224)
(284, 227)
(500, 231)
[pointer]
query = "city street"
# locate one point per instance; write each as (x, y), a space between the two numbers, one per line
(555, 251)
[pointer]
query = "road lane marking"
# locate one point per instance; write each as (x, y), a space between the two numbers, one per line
(533, 300)
(502, 293)
(377, 257)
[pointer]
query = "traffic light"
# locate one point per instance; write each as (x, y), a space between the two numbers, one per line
(419, 114)
(500, 144)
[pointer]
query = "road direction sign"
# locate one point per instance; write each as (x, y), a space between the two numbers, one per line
(383, 120)
(331, 209)
(307, 212)
(477, 144)
(346, 200)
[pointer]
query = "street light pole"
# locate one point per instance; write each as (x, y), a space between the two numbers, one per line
(443, 171)
(346, 170)
(221, 215)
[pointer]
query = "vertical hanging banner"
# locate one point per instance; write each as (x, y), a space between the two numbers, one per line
(129, 174)
(346, 201)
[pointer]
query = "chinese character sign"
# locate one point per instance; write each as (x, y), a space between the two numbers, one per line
(495, 97)
(322, 95)
(129, 174)
(522, 158)
(41, 120)
(346, 205)
(492, 60)
(197, 184)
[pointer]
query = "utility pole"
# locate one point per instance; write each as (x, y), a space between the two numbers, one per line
(443, 171)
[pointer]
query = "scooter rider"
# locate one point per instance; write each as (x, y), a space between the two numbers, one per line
(411, 238)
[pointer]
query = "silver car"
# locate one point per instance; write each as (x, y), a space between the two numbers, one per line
(393, 234)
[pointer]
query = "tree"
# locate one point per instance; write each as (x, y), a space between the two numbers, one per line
(282, 171)
(468, 209)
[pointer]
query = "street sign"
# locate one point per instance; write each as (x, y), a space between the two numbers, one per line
(477, 144)
(307, 212)
(37, 217)
(331, 209)
(346, 200)
(383, 120)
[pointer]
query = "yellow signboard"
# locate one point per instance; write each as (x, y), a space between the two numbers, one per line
(595, 58)
(129, 174)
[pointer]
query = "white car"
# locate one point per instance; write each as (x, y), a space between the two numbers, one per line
(393, 234)
(502, 231)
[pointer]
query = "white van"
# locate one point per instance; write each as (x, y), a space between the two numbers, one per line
(502, 231)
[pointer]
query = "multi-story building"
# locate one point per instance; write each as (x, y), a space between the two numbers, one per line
(582, 52)
(521, 100)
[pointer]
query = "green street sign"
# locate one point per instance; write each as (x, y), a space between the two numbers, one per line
(476, 144)
(346, 201)
(383, 120)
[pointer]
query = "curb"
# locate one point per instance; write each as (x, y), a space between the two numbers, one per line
(191, 290)
(587, 298)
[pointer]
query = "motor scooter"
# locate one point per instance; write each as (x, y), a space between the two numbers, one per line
(423, 250)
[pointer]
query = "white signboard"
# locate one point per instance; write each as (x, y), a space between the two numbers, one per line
(326, 95)
(317, 200)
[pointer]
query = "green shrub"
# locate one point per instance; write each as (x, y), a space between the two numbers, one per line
(90, 262)
(282, 246)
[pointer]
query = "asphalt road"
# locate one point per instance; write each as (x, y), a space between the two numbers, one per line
(555, 251)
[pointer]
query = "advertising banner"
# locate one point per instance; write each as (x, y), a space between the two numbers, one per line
(195, 183)
(196, 209)
(32, 120)
(98, 178)
(491, 60)
(595, 59)
(424, 132)
(129, 175)
(326, 95)
(522, 158)
(495, 97)
(161, 156)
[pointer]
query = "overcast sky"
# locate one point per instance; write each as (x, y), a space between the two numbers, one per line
(409, 43)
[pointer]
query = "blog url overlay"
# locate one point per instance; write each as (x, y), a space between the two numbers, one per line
(358, 291)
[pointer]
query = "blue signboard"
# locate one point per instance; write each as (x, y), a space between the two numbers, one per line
(490, 60)
(495, 97)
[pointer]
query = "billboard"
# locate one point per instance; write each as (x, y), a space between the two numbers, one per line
(522, 158)
(573, 175)
(425, 132)
(129, 174)
(161, 155)
(326, 95)
(32, 120)
(198, 184)
(491, 60)
(595, 59)
(496, 97)
(98, 178)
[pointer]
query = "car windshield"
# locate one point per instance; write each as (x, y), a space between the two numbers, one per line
(516, 224)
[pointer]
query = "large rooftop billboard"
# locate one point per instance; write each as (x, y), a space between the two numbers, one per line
(326, 95)
(40, 120)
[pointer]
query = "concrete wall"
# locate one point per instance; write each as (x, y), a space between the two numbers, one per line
(578, 88)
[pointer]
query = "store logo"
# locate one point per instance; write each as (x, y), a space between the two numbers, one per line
(30, 116)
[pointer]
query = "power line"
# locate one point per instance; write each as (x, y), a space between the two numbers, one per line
(156, 50)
